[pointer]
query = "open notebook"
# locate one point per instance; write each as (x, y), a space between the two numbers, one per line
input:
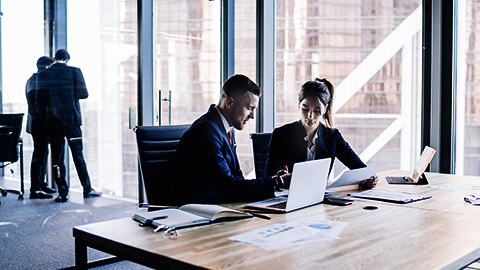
(188, 215)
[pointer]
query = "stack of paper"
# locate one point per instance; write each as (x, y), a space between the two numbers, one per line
(297, 232)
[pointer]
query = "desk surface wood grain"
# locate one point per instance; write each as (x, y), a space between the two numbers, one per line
(430, 234)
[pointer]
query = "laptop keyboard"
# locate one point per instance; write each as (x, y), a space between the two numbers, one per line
(281, 205)
(398, 179)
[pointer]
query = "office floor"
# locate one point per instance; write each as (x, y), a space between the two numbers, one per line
(37, 234)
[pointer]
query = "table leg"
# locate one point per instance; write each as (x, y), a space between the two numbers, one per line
(80, 254)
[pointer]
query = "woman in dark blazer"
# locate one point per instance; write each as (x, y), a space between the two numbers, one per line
(313, 136)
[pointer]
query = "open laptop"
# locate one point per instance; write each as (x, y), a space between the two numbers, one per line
(307, 187)
(418, 176)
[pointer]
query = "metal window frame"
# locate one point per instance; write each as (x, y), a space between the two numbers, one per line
(266, 64)
(145, 74)
(145, 62)
(439, 89)
(227, 40)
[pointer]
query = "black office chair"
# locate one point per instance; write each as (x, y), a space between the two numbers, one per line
(260, 142)
(157, 147)
(11, 147)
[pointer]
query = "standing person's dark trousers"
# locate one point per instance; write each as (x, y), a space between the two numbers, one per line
(74, 137)
(39, 158)
(56, 136)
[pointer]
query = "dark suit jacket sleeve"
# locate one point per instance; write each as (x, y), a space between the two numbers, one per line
(273, 162)
(215, 168)
(346, 154)
(81, 88)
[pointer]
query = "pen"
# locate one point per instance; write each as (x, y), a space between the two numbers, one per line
(259, 215)
(254, 214)
(159, 217)
(147, 205)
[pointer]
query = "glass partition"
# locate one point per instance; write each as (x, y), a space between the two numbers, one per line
(468, 93)
(371, 51)
(102, 41)
(245, 63)
(22, 45)
(186, 59)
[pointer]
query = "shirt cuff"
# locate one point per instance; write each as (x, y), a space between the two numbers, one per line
(278, 182)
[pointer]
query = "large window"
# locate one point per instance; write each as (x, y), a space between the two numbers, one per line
(468, 89)
(22, 45)
(102, 41)
(245, 63)
(186, 59)
(371, 51)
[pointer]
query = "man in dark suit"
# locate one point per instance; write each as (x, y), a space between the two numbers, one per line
(65, 86)
(36, 126)
(207, 164)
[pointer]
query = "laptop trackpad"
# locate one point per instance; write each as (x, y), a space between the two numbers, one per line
(269, 202)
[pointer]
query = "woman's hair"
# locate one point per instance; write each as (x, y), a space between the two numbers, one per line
(320, 90)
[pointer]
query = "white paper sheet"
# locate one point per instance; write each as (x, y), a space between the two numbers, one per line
(354, 177)
(457, 187)
(297, 232)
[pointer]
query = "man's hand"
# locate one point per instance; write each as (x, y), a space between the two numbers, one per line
(368, 183)
(286, 180)
(285, 175)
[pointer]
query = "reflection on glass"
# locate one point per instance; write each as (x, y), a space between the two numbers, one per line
(245, 63)
(186, 58)
(468, 121)
(104, 46)
(376, 89)
(19, 56)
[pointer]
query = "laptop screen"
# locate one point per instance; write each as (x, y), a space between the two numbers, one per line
(423, 162)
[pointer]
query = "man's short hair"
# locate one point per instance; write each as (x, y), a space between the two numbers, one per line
(239, 84)
(62, 55)
(44, 62)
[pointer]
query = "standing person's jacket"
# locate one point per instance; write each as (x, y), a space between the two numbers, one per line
(289, 146)
(208, 170)
(65, 86)
(36, 118)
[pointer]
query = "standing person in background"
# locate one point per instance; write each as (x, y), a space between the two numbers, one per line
(65, 86)
(313, 136)
(36, 126)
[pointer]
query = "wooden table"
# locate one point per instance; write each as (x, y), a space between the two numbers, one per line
(430, 234)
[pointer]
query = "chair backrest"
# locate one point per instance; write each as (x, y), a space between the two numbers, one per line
(157, 147)
(10, 131)
(260, 142)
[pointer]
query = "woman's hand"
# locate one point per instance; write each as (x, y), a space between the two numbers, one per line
(368, 183)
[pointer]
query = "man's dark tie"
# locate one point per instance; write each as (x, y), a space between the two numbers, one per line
(229, 132)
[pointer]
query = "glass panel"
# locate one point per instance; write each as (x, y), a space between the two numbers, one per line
(245, 63)
(187, 58)
(468, 89)
(371, 54)
(102, 41)
(19, 56)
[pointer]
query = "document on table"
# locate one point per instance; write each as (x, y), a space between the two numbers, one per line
(293, 233)
(389, 196)
(354, 177)
(457, 187)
